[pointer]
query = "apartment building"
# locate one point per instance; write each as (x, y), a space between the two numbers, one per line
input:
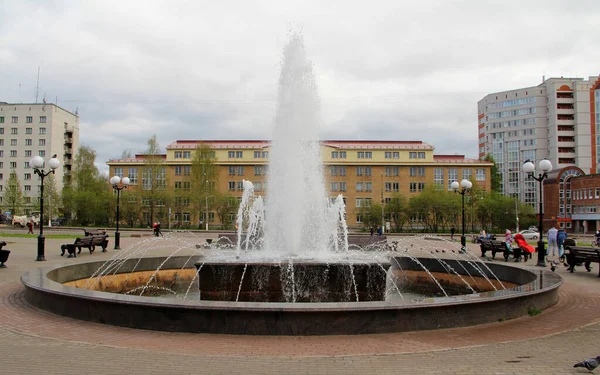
(362, 171)
(27, 130)
(557, 120)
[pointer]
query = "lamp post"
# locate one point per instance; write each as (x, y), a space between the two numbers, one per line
(37, 162)
(466, 186)
(544, 167)
(118, 184)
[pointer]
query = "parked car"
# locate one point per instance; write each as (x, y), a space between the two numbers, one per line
(529, 234)
(533, 228)
(59, 222)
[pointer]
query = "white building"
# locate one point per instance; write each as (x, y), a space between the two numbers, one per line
(551, 120)
(27, 130)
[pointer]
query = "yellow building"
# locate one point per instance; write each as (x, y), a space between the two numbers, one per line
(362, 171)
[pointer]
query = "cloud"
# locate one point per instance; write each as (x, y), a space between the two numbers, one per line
(189, 70)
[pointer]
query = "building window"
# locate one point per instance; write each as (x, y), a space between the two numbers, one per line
(27, 153)
(13, 142)
(392, 171)
(240, 170)
(438, 176)
(240, 185)
(13, 164)
(29, 119)
(187, 170)
(421, 155)
(28, 142)
(13, 153)
(258, 170)
(392, 155)
(27, 187)
(133, 176)
(187, 185)
(412, 155)
(365, 155)
(27, 176)
(334, 186)
(15, 120)
(42, 142)
(1, 119)
(42, 153)
(43, 119)
(231, 170)
(239, 154)
(359, 186)
(1, 130)
(452, 176)
(178, 185)
(14, 130)
(42, 131)
(119, 172)
(368, 186)
(231, 185)
(178, 170)
(28, 130)
(480, 174)
(231, 154)
(178, 154)
(360, 171)
(147, 179)
(342, 186)
(368, 171)
(187, 154)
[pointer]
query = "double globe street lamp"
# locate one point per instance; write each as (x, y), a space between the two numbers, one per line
(543, 168)
(465, 186)
(37, 163)
(118, 184)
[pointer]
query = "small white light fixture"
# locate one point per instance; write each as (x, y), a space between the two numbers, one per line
(466, 184)
(454, 185)
(545, 166)
(528, 167)
(125, 181)
(54, 163)
(36, 162)
(114, 180)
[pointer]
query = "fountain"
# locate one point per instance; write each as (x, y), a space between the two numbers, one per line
(290, 269)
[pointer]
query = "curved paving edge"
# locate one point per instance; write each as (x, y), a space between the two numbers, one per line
(19, 316)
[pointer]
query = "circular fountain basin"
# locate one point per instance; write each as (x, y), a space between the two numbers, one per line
(60, 290)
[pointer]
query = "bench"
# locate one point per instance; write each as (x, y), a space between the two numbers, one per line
(501, 247)
(3, 255)
(89, 242)
(580, 254)
(94, 232)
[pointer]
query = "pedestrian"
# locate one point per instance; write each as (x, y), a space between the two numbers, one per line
(552, 232)
(30, 227)
(372, 231)
(452, 230)
(508, 238)
(561, 236)
(379, 230)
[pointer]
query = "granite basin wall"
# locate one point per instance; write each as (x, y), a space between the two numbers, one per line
(44, 289)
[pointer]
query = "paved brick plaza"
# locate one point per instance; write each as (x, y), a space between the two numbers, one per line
(33, 341)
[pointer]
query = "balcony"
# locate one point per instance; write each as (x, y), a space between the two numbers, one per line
(566, 144)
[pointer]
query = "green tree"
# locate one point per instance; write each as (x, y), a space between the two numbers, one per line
(13, 195)
(87, 199)
(494, 174)
(397, 210)
(370, 215)
(226, 206)
(52, 199)
(203, 180)
(154, 180)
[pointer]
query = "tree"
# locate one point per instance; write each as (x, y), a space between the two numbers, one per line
(86, 199)
(370, 215)
(397, 210)
(154, 179)
(203, 179)
(52, 200)
(494, 174)
(13, 196)
(226, 206)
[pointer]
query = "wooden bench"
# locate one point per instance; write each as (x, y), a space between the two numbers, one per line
(94, 232)
(89, 242)
(576, 255)
(493, 246)
(3, 255)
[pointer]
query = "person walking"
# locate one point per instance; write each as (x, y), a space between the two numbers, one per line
(552, 232)
(452, 230)
(30, 226)
(561, 236)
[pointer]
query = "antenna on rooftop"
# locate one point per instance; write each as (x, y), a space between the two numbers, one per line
(37, 86)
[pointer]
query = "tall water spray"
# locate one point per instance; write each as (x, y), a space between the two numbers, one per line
(297, 220)
(296, 199)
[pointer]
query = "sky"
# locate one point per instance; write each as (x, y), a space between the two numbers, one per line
(385, 70)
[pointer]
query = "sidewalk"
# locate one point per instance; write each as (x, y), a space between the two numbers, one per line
(35, 342)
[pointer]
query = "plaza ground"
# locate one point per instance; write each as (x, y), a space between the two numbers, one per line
(34, 341)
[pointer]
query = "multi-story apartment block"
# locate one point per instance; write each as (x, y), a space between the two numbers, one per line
(362, 171)
(556, 120)
(27, 130)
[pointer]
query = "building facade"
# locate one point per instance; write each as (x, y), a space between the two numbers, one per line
(364, 172)
(556, 120)
(28, 130)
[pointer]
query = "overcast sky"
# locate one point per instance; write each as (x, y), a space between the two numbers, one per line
(385, 70)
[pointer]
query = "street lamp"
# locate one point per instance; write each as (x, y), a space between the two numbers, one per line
(466, 186)
(37, 163)
(115, 181)
(544, 167)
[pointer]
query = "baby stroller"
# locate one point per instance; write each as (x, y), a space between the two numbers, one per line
(563, 258)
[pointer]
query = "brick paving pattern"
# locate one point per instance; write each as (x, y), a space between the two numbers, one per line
(34, 341)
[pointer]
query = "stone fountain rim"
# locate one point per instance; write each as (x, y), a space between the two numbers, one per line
(38, 280)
